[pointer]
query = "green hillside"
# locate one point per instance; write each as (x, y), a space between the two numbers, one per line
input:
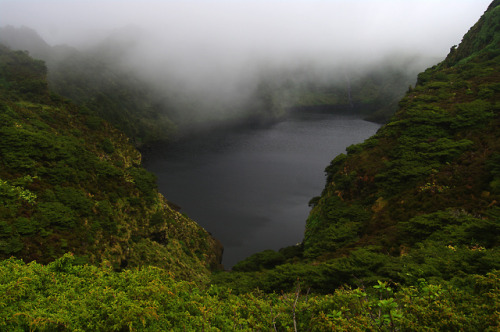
(404, 237)
(71, 182)
(417, 200)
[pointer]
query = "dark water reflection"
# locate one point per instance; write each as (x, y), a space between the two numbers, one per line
(250, 188)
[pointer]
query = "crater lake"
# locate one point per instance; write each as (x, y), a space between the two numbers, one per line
(250, 187)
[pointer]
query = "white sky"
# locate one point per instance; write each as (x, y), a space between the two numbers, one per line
(202, 36)
(282, 26)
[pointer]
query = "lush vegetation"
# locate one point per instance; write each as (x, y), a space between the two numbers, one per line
(70, 182)
(63, 296)
(417, 200)
(405, 235)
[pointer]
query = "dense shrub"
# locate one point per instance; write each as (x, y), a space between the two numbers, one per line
(65, 296)
(69, 181)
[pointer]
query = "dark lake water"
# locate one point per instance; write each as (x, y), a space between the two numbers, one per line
(250, 188)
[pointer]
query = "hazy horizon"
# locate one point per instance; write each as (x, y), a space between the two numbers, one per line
(216, 51)
(247, 25)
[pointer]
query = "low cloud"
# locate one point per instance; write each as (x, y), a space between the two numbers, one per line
(221, 46)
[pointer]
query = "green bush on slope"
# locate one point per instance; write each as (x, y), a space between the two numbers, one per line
(433, 155)
(70, 182)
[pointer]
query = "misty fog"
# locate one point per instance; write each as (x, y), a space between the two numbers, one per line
(214, 52)
(156, 69)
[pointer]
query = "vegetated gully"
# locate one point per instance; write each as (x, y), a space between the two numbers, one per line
(250, 187)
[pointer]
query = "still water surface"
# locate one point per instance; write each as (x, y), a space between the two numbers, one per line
(250, 188)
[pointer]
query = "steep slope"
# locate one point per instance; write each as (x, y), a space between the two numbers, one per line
(438, 153)
(71, 182)
(420, 199)
(450, 125)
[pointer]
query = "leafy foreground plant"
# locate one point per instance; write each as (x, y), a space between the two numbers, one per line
(63, 296)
